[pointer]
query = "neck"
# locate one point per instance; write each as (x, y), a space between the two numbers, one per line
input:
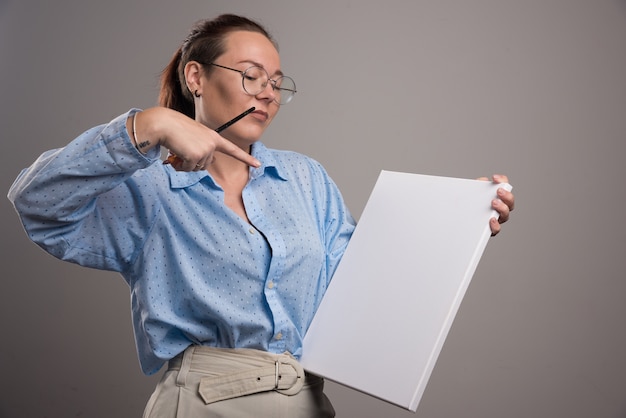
(225, 168)
(232, 175)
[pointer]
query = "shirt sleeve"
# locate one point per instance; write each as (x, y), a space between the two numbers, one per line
(338, 223)
(77, 203)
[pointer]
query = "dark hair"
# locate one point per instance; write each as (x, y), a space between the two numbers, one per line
(204, 44)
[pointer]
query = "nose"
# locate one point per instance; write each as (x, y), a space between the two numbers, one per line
(268, 93)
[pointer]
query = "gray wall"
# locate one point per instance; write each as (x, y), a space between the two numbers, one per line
(535, 89)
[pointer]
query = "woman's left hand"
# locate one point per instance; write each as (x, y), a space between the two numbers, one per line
(503, 204)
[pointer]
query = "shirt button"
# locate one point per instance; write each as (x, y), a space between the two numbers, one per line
(252, 231)
(270, 285)
(279, 336)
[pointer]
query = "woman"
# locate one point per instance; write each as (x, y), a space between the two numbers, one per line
(227, 249)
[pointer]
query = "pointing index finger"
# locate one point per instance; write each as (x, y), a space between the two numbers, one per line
(227, 147)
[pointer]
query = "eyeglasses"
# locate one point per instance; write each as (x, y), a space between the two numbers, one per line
(254, 80)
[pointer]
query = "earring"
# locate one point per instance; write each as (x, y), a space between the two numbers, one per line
(195, 93)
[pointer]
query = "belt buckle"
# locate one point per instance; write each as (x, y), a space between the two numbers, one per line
(297, 385)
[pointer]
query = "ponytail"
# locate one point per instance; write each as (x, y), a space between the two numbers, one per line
(173, 95)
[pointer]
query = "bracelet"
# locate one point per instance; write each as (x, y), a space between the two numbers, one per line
(135, 140)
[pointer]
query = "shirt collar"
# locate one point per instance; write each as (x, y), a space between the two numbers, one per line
(269, 165)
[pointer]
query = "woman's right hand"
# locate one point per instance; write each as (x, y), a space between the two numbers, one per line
(193, 143)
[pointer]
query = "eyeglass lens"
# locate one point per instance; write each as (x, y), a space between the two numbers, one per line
(255, 80)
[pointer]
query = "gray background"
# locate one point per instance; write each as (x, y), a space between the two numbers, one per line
(535, 89)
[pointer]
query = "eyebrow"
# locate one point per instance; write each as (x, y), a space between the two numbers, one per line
(258, 64)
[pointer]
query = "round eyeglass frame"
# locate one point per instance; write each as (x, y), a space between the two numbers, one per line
(273, 83)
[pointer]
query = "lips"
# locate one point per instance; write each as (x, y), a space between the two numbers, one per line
(260, 115)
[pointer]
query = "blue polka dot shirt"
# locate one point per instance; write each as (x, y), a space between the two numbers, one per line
(198, 273)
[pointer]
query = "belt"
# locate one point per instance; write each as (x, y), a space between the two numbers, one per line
(241, 372)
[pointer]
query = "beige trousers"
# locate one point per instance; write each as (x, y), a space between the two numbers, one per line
(206, 382)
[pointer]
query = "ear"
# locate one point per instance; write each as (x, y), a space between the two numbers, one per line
(193, 77)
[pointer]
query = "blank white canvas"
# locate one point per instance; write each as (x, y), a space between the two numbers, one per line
(385, 316)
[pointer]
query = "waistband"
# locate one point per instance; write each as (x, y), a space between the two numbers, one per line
(231, 373)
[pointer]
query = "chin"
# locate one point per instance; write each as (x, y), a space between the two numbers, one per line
(245, 139)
